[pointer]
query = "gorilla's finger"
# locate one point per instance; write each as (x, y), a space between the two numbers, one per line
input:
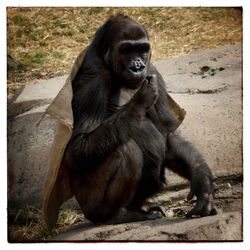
(198, 207)
(214, 211)
(190, 195)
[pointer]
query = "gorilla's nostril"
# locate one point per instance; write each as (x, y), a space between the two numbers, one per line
(137, 66)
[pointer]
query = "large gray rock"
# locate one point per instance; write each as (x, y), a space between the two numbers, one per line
(213, 121)
(222, 227)
(28, 152)
(28, 143)
(213, 104)
(34, 95)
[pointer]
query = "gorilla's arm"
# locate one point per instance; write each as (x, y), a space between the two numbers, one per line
(95, 137)
(184, 159)
(181, 156)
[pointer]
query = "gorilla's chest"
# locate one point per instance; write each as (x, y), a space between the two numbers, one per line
(119, 99)
(125, 95)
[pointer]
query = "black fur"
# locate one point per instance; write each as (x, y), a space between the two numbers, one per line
(117, 154)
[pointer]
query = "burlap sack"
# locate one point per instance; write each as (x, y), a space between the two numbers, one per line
(57, 189)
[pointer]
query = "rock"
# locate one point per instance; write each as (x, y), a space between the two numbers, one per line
(213, 121)
(29, 144)
(181, 74)
(222, 227)
(28, 152)
(213, 104)
(33, 95)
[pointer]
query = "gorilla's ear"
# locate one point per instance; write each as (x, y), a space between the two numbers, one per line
(107, 57)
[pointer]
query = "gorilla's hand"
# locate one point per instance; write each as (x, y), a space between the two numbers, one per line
(148, 93)
(202, 188)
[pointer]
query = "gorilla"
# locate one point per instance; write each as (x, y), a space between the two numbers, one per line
(124, 133)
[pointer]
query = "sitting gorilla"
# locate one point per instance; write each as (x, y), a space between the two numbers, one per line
(123, 135)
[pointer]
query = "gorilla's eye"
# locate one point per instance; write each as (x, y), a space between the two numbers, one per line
(135, 47)
(143, 48)
(125, 48)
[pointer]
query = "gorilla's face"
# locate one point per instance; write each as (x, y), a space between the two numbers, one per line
(129, 54)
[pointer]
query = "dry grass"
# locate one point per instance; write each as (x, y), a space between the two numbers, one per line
(45, 41)
(26, 225)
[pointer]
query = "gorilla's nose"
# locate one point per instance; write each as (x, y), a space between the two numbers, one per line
(137, 65)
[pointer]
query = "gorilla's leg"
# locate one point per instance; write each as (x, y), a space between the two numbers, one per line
(152, 144)
(103, 192)
(184, 159)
